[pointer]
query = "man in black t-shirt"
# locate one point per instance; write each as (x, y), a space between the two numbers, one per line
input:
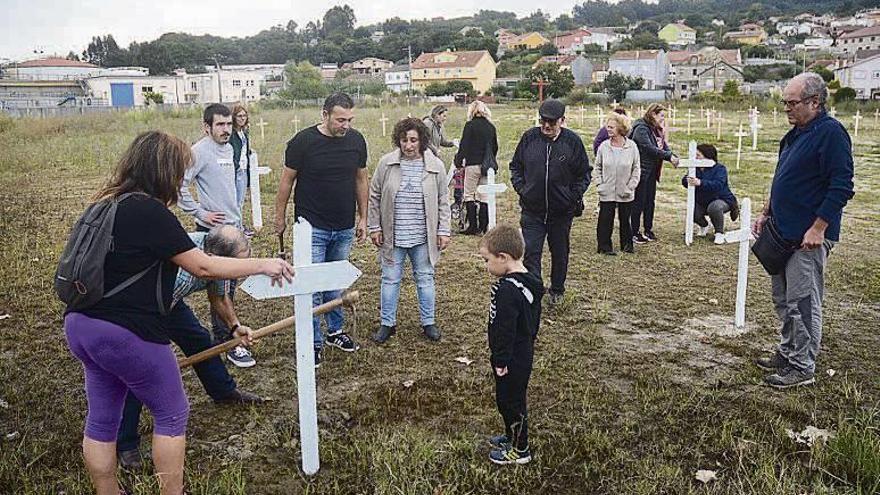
(325, 165)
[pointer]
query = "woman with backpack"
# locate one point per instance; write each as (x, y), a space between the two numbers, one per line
(478, 146)
(119, 337)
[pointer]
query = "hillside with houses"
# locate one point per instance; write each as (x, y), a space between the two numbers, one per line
(491, 54)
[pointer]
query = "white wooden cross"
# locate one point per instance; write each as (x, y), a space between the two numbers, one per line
(383, 120)
(262, 126)
(491, 189)
(833, 112)
(857, 118)
(692, 163)
(755, 126)
(690, 115)
(876, 117)
(718, 119)
(256, 202)
(739, 144)
(598, 116)
(742, 236)
(709, 112)
(774, 115)
(295, 122)
(309, 279)
(582, 115)
(673, 112)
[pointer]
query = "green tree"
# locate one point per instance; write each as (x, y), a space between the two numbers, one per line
(436, 89)
(844, 94)
(731, 89)
(561, 81)
(460, 86)
(154, 98)
(616, 85)
(549, 49)
(826, 74)
(565, 23)
(303, 81)
(339, 21)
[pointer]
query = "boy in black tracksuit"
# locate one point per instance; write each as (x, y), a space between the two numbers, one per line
(514, 317)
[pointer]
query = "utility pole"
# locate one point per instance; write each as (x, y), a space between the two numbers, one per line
(219, 79)
(409, 62)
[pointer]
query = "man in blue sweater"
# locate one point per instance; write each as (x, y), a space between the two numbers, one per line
(812, 184)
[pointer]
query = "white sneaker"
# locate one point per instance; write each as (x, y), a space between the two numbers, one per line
(702, 231)
(241, 357)
(719, 238)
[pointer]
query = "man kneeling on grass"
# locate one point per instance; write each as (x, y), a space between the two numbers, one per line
(185, 330)
(514, 317)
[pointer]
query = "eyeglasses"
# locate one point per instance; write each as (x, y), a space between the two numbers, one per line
(549, 122)
(791, 103)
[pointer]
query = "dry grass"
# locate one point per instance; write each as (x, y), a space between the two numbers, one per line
(637, 382)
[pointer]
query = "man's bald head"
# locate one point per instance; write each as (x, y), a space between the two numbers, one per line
(227, 241)
(804, 98)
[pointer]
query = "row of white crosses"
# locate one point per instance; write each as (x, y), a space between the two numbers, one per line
(310, 278)
(741, 236)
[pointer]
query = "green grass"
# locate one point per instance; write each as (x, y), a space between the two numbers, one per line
(633, 391)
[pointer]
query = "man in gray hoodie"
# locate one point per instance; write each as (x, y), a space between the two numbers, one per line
(213, 173)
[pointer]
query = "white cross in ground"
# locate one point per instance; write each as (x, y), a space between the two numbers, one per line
(755, 126)
(598, 116)
(672, 114)
(709, 112)
(692, 163)
(309, 279)
(491, 189)
(833, 112)
(690, 115)
(742, 236)
(582, 115)
(262, 125)
(383, 120)
(295, 122)
(256, 201)
(876, 117)
(739, 145)
(718, 122)
(857, 118)
(774, 115)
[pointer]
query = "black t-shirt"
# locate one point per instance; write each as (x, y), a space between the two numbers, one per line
(145, 231)
(326, 171)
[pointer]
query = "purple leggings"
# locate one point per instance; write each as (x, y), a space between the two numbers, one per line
(115, 361)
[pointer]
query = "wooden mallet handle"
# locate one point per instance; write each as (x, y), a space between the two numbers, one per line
(348, 299)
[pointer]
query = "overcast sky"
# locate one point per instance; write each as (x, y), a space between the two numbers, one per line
(53, 26)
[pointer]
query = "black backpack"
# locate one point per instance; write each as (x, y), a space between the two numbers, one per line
(79, 278)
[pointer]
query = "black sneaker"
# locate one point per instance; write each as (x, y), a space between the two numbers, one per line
(509, 455)
(241, 357)
(628, 250)
(131, 460)
(640, 239)
(342, 342)
(774, 362)
(650, 236)
(431, 332)
(240, 397)
(317, 357)
(555, 298)
(499, 441)
(789, 377)
(607, 253)
(383, 334)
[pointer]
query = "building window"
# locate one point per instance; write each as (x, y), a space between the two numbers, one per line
(694, 72)
(876, 74)
(146, 89)
(194, 86)
(684, 87)
(236, 83)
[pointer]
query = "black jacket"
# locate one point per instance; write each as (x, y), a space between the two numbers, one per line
(550, 177)
(514, 317)
(476, 135)
(651, 156)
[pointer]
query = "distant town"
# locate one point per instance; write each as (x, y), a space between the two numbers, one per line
(641, 61)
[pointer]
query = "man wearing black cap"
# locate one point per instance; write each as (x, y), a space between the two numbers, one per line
(551, 172)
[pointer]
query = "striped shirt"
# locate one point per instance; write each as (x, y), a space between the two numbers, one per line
(187, 283)
(410, 225)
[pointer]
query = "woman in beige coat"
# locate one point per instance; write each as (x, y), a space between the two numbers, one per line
(409, 217)
(617, 170)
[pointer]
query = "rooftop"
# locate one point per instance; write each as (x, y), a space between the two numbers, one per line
(439, 60)
(55, 62)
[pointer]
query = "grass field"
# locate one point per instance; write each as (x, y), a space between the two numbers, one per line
(640, 379)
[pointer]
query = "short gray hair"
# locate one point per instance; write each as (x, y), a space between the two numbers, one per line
(226, 241)
(814, 85)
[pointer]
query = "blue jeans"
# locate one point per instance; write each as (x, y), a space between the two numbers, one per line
(184, 330)
(329, 245)
(241, 184)
(423, 273)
